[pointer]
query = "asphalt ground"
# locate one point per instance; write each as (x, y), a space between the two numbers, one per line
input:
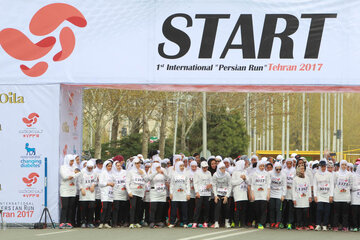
(172, 234)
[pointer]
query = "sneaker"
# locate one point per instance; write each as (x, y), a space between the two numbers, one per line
(152, 225)
(277, 225)
(261, 227)
(194, 225)
(62, 226)
(200, 225)
(298, 228)
(190, 225)
(305, 228)
(107, 226)
(90, 225)
(335, 229)
(138, 225)
(281, 226)
(355, 230)
(126, 224)
(318, 228)
(272, 225)
(171, 226)
(145, 224)
(161, 225)
(232, 224)
(101, 226)
(181, 224)
(83, 225)
(131, 226)
(205, 225)
(68, 225)
(267, 225)
(227, 224)
(345, 229)
(185, 226)
(253, 224)
(289, 227)
(216, 225)
(311, 227)
(324, 228)
(212, 226)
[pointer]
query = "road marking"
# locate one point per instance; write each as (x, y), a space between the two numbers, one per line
(51, 233)
(207, 234)
(231, 234)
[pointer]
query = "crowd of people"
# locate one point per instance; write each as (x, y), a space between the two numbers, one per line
(194, 192)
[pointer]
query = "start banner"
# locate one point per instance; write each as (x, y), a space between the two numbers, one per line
(180, 42)
(29, 132)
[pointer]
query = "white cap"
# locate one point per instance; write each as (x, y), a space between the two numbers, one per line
(204, 164)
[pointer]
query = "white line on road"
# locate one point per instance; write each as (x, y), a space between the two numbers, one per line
(51, 233)
(231, 234)
(207, 234)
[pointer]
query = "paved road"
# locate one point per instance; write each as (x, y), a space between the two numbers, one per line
(172, 234)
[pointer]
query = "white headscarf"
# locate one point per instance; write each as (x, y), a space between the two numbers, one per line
(104, 169)
(218, 173)
(240, 165)
(262, 162)
(89, 164)
(67, 160)
(277, 164)
(341, 171)
(114, 169)
(176, 157)
(82, 164)
(191, 172)
(357, 172)
(177, 167)
(154, 166)
(75, 164)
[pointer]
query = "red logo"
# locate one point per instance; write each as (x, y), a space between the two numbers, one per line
(71, 97)
(31, 179)
(45, 21)
(31, 119)
(65, 149)
(76, 122)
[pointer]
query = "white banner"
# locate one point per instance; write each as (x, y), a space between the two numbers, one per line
(180, 42)
(29, 130)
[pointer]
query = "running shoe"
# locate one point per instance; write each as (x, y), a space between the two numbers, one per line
(68, 225)
(131, 226)
(324, 228)
(200, 225)
(277, 225)
(62, 226)
(138, 225)
(161, 225)
(171, 226)
(185, 226)
(194, 225)
(101, 226)
(298, 228)
(152, 225)
(281, 226)
(345, 229)
(261, 227)
(289, 227)
(318, 228)
(311, 227)
(272, 225)
(305, 228)
(355, 230)
(83, 225)
(190, 225)
(107, 226)
(90, 225)
(216, 225)
(205, 225)
(335, 229)
(232, 224)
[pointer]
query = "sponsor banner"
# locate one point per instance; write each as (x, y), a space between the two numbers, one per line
(178, 42)
(29, 132)
(70, 121)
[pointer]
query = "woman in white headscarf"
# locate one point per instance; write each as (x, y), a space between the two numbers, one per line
(260, 192)
(222, 188)
(179, 194)
(288, 210)
(277, 194)
(342, 196)
(136, 179)
(191, 171)
(355, 198)
(121, 199)
(67, 191)
(106, 183)
(240, 182)
(87, 182)
(157, 178)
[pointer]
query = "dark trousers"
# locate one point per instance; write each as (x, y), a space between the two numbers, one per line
(98, 207)
(147, 212)
(201, 205)
(251, 212)
(355, 210)
(232, 209)
(240, 213)
(211, 211)
(87, 211)
(156, 212)
(222, 209)
(302, 217)
(106, 212)
(322, 213)
(341, 210)
(260, 211)
(288, 212)
(135, 209)
(67, 209)
(191, 210)
(76, 218)
(174, 208)
(275, 210)
(120, 212)
(312, 212)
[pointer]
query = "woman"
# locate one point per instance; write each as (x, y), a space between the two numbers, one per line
(67, 191)
(277, 194)
(191, 171)
(222, 188)
(260, 192)
(179, 194)
(355, 199)
(87, 181)
(288, 205)
(323, 195)
(157, 178)
(301, 192)
(212, 169)
(342, 196)
(135, 185)
(121, 199)
(106, 183)
(239, 182)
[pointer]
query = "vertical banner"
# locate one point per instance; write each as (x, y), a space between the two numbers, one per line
(70, 121)
(29, 132)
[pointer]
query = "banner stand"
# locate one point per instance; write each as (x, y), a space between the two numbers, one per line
(46, 211)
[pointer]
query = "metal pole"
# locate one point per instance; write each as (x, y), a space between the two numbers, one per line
(325, 121)
(321, 126)
(334, 133)
(272, 124)
(303, 124)
(204, 125)
(329, 121)
(249, 123)
(176, 122)
(263, 132)
(288, 127)
(254, 136)
(307, 122)
(268, 126)
(283, 128)
(342, 126)
(338, 128)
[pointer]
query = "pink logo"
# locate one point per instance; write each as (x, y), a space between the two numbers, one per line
(31, 179)
(65, 149)
(71, 97)
(31, 119)
(76, 122)
(45, 21)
